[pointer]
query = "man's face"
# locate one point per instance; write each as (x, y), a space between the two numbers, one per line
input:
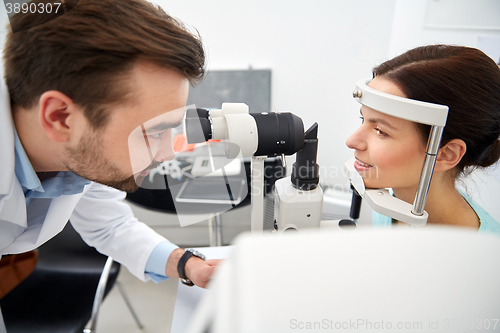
(138, 134)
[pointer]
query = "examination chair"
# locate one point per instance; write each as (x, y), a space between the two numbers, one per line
(64, 291)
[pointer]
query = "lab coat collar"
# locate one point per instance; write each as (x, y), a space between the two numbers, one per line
(12, 209)
(6, 141)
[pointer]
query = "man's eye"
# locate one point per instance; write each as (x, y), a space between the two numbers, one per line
(155, 136)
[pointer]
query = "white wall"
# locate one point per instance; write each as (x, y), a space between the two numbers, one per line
(408, 30)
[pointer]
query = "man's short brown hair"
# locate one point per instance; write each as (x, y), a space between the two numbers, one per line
(87, 52)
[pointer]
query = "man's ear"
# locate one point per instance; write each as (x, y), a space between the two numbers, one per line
(56, 114)
(450, 155)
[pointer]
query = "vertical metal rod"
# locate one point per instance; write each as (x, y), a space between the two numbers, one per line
(211, 233)
(257, 194)
(427, 170)
(215, 230)
(218, 230)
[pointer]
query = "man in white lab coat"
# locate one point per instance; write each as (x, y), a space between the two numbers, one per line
(76, 88)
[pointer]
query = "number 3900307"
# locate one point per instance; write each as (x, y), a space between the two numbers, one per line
(41, 8)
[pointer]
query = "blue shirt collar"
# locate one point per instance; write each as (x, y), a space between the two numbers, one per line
(65, 183)
(24, 170)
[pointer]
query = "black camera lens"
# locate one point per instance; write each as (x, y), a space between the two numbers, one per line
(279, 133)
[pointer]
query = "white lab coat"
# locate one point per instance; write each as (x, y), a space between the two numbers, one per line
(98, 214)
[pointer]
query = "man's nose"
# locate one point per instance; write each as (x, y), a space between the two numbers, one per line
(165, 151)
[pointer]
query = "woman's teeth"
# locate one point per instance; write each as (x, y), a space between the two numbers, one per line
(363, 164)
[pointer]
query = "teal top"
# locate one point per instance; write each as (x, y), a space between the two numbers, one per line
(487, 223)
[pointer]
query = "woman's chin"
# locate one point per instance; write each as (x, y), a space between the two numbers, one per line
(373, 183)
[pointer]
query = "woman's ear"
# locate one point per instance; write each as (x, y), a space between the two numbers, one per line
(55, 115)
(450, 155)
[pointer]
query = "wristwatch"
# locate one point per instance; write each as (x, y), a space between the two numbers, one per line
(182, 263)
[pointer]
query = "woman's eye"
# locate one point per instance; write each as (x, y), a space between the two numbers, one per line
(379, 132)
(362, 119)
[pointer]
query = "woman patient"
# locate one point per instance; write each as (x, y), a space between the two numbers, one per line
(390, 151)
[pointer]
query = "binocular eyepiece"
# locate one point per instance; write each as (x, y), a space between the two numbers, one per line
(198, 126)
(277, 133)
(260, 134)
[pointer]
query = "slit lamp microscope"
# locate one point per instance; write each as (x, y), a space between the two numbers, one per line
(298, 198)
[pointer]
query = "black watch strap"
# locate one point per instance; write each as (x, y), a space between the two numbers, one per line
(182, 264)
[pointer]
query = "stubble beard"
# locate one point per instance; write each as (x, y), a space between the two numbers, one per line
(89, 161)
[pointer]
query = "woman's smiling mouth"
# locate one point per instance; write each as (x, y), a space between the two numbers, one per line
(361, 166)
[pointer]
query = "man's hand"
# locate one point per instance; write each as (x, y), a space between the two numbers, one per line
(197, 270)
(200, 271)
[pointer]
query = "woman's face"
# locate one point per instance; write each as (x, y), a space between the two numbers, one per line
(389, 151)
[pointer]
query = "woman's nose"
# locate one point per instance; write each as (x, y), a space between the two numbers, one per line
(356, 140)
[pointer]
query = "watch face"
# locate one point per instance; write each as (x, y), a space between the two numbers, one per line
(197, 254)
